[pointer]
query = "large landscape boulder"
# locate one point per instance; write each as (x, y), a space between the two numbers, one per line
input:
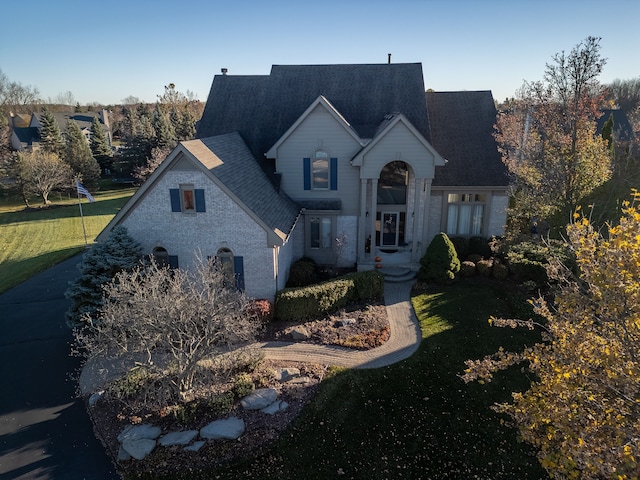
(229, 428)
(259, 399)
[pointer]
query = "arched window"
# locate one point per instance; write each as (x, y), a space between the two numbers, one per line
(161, 256)
(225, 260)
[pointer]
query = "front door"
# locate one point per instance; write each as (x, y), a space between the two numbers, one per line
(389, 229)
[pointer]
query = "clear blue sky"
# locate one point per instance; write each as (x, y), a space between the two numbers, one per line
(106, 51)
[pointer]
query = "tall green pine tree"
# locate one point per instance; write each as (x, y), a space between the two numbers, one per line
(99, 265)
(607, 134)
(78, 156)
(100, 146)
(50, 135)
(164, 130)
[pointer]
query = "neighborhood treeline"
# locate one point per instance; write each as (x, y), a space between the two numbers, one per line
(124, 143)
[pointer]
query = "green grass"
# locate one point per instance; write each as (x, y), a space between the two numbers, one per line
(32, 240)
(415, 419)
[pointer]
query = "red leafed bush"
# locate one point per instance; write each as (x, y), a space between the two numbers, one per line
(263, 309)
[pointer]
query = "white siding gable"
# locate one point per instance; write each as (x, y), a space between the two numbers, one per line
(320, 129)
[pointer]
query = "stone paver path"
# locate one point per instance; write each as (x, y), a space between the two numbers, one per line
(404, 338)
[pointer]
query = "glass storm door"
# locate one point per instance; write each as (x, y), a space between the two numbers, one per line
(389, 229)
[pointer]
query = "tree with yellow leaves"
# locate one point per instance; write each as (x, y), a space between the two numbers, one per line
(583, 408)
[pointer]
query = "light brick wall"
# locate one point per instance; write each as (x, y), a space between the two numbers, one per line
(189, 236)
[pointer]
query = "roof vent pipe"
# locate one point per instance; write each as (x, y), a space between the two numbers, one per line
(389, 58)
(224, 71)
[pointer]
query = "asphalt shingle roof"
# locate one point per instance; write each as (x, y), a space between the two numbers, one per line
(459, 125)
(462, 132)
(251, 186)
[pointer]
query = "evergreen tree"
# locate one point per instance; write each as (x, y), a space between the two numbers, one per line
(99, 145)
(164, 130)
(78, 155)
(440, 263)
(99, 265)
(186, 125)
(607, 134)
(50, 136)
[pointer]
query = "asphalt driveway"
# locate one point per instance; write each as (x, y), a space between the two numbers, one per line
(45, 432)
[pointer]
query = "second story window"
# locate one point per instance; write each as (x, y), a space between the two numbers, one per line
(320, 170)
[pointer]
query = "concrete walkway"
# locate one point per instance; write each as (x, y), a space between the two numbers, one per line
(404, 339)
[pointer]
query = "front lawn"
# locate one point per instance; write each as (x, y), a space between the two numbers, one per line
(34, 239)
(415, 419)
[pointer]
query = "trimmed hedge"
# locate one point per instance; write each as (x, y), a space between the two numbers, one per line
(293, 304)
(528, 260)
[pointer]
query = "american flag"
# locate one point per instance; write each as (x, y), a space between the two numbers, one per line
(84, 191)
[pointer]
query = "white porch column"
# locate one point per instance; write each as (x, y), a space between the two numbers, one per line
(362, 221)
(426, 228)
(418, 193)
(372, 213)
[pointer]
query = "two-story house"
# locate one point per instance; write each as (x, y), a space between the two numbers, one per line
(340, 163)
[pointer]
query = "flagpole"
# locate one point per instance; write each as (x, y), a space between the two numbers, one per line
(84, 230)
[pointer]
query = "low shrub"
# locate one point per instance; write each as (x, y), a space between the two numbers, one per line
(262, 309)
(528, 260)
(302, 273)
(242, 385)
(222, 403)
(479, 246)
(295, 304)
(474, 257)
(500, 270)
(461, 244)
(485, 267)
(467, 269)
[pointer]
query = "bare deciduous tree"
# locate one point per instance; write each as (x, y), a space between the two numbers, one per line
(171, 320)
(40, 173)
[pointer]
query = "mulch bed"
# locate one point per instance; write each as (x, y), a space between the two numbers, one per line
(111, 416)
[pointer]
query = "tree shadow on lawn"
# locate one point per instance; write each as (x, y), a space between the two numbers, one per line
(14, 272)
(417, 418)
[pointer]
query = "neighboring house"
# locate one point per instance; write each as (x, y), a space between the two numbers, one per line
(622, 129)
(339, 163)
(25, 129)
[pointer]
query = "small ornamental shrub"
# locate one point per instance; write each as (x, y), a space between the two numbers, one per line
(467, 269)
(222, 403)
(440, 263)
(485, 267)
(262, 309)
(461, 244)
(500, 270)
(474, 257)
(528, 260)
(479, 246)
(302, 273)
(243, 385)
(305, 303)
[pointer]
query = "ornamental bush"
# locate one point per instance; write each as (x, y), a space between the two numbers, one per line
(440, 263)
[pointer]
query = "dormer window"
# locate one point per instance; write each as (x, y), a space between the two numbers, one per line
(320, 170)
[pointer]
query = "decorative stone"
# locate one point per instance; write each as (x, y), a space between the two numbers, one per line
(139, 448)
(299, 333)
(286, 374)
(137, 432)
(178, 438)
(93, 399)
(344, 322)
(195, 447)
(230, 428)
(300, 381)
(259, 399)
(275, 407)
(123, 455)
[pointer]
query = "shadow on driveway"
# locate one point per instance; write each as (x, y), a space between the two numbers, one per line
(45, 432)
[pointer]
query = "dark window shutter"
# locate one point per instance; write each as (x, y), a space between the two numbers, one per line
(200, 205)
(173, 261)
(175, 199)
(333, 174)
(238, 268)
(307, 173)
